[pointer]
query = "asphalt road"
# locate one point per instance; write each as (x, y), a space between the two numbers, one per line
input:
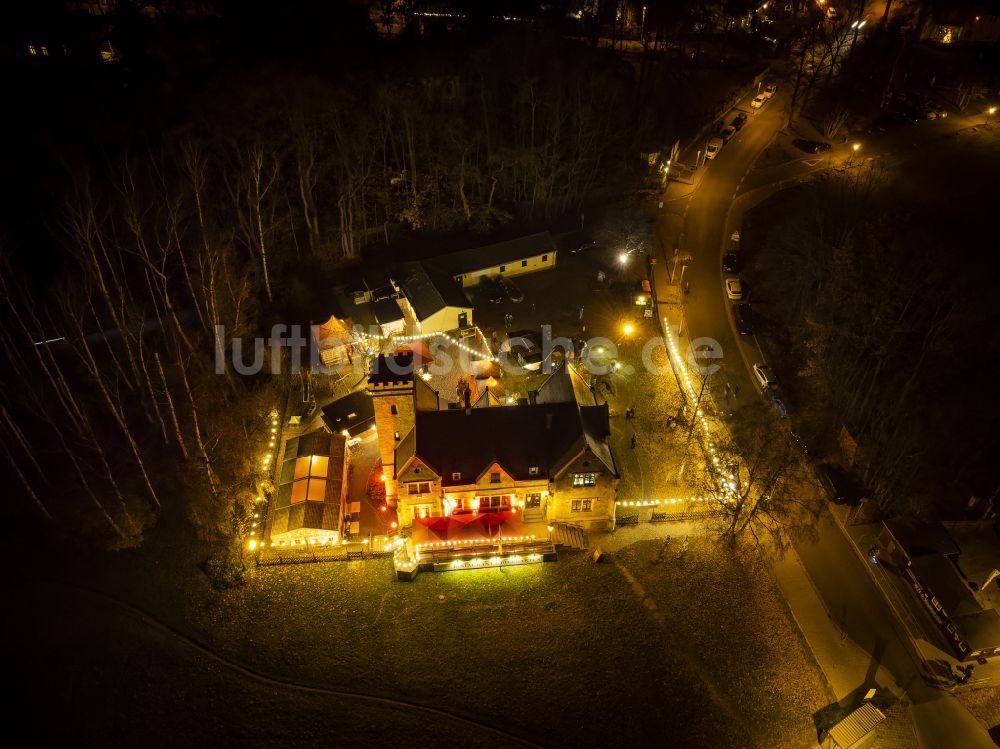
(706, 239)
(711, 213)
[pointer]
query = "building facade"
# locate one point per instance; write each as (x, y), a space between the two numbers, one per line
(548, 460)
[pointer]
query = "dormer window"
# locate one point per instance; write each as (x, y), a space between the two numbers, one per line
(533, 470)
(456, 475)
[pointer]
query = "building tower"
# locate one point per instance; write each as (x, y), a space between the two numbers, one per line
(397, 394)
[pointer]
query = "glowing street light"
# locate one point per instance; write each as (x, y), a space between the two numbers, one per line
(989, 113)
(623, 258)
(856, 147)
(627, 328)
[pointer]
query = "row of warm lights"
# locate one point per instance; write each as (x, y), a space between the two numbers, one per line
(675, 352)
(472, 542)
(319, 541)
(267, 462)
(495, 561)
(652, 502)
(272, 442)
(423, 336)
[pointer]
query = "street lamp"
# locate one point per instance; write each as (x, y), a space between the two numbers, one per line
(623, 258)
(856, 147)
(627, 328)
(989, 113)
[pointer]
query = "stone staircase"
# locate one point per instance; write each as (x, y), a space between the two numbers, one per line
(564, 534)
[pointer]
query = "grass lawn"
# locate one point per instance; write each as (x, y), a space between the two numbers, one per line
(561, 654)
(726, 619)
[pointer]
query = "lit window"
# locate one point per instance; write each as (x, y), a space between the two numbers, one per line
(500, 502)
(44, 50)
(301, 467)
(316, 491)
(584, 479)
(418, 487)
(581, 505)
(532, 470)
(320, 465)
(310, 478)
(31, 50)
(456, 475)
(495, 478)
(532, 501)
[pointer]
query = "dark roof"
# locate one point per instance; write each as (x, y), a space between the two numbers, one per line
(940, 575)
(386, 311)
(557, 387)
(919, 537)
(354, 412)
(389, 369)
(469, 441)
(479, 258)
(980, 630)
(428, 291)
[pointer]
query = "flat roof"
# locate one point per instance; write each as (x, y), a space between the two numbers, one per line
(939, 574)
(919, 537)
(354, 412)
(858, 724)
(980, 630)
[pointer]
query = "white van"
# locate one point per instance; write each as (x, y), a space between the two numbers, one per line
(713, 148)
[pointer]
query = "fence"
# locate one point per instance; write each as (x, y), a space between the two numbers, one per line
(314, 553)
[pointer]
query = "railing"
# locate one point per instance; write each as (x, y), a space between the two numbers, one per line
(446, 553)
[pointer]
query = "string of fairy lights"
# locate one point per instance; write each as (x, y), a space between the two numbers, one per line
(710, 447)
(423, 337)
(272, 443)
(655, 502)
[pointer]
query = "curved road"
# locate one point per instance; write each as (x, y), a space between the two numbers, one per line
(704, 222)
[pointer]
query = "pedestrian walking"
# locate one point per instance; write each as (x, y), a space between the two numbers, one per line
(633, 441)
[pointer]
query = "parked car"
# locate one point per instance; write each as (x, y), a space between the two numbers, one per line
(727, 133)
(778, 401)
(510, 289)
(837, 484)
(810, 146)
(738, 121)
(583, 248)
(770, 90)
(940, 111)
(744, 319)
(765, 376)
(759, 101)
(734, 289)
(491, 289)
(713, 148)
(730, 263)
